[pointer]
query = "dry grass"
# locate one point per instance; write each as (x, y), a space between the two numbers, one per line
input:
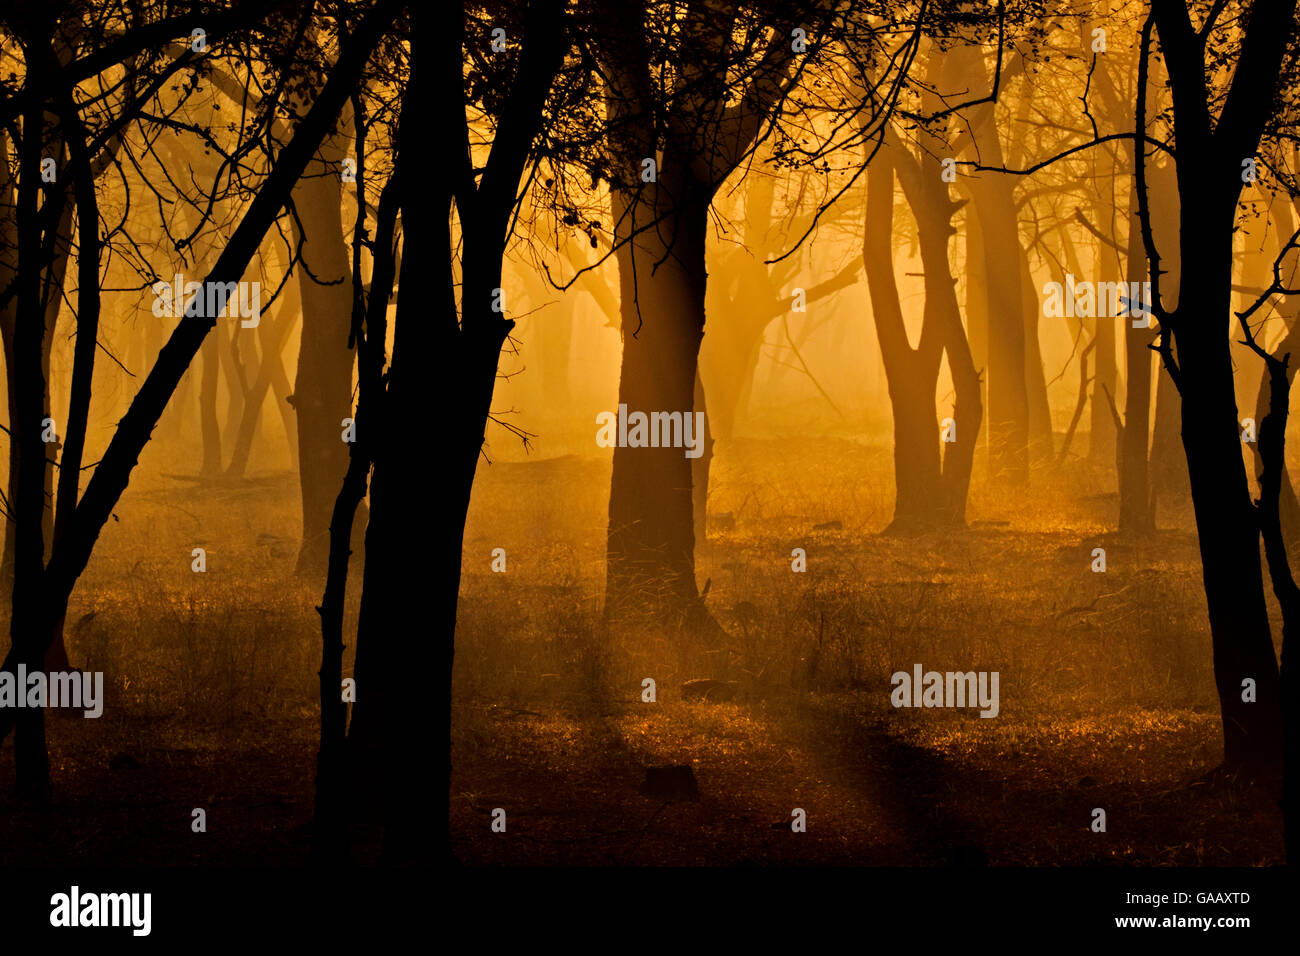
(1107, 697)
(1107, 693)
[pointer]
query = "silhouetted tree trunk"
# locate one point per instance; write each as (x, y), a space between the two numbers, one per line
(369, 334)
(28, 379)
(1168, 464)
(59, 249)
(443, 370)
(1288, 505)
(1272, 453)
(1209, 184)
(1135, 512)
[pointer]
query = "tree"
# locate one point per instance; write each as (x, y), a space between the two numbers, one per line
(673, 144)
(41, 589)
(930, 489)
(1210, 150)
(442, 371)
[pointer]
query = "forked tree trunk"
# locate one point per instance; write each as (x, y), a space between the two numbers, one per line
(911, 373)
(274, 331)
(931, 487)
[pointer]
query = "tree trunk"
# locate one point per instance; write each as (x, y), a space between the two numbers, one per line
(273, 332)
(322, 394)
(209, 425)
(41, 599)
(911, 373)
(1135, 511)
(651, 546)
(977, 311)
(931, 489)
(1225, 518)
(1038, 410)
(1272, 441)
(700, 470)
(994, 201)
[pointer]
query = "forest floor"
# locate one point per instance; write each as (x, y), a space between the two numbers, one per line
(1106, 695)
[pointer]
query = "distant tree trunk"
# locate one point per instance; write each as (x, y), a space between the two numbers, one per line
(322, 394)
(273, 332)
(234, 372)
(744, 285)
(662, 223)
(179, 414)
(930, 489)
(994, 201)
(1041, 439)
(1288, 506)
(209, 425)
(700, 469)
(1102, 435)
(281, 392)
(977, 307)
(1008, 403)
(968, 409)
